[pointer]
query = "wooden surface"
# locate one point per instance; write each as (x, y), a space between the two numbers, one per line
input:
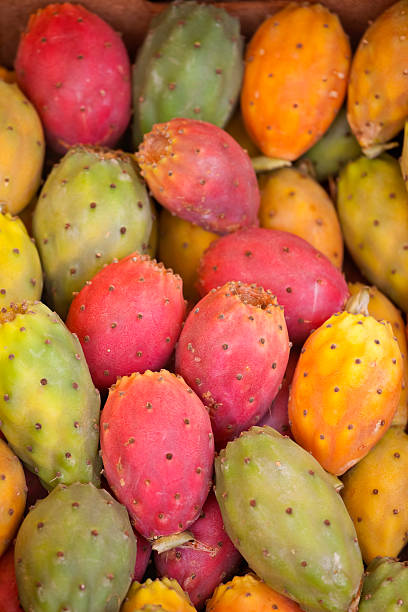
(132, 17)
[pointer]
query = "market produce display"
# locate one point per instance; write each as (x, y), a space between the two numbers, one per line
(203, 311)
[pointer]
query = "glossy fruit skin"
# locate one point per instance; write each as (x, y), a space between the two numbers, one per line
(76, 71)
(199, 172)
(303, 280)
(13, 494)
(346, 389)
(286, 116)
(377, 93)
(8, 584)
(165, 592)
(384, 586)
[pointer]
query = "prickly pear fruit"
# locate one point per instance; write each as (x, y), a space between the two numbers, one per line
(273, 259)
(248, 593)
(382, 309)
(92, 208)
(238, 330)
(181, 246)
(377, 91)
(236, 128)
(283, 116)
(212, 558)
(128, 318)
(199, 172)
(9, 601)
(9, 76)
(166, 593)
(163, 483)
(294, 202)
(372, 204)
(143, 555)
(20, 272)
(288, 521)
(187, 44)
(13, 493)
(75, 69)
(385, 586)
(346, 388)
(75, 549)
(150, 608)
(22, 149)
(49, 408)
(376, 496)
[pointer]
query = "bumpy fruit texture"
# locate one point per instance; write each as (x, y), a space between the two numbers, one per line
(187, 45)
(181, 245)
(22, 149)
(20, 267)
(376, 496)
(213, 557)
(346, 389)
(305, 282)
(334, 149)
(385, 586)
(199, 172)
(372, 204)
(294, 202)
(383, 309)
(288, 521)
(143, 555)
(13, 493)
(377, 91)
(92, 209)
(166, 593)
(157, 450)
(233, 351)
(75, 69)
(75, 549)
(286, 116)
(8, 584)
(49, 408)
(248, 593)
(128, 318)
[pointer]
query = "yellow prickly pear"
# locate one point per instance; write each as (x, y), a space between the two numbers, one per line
(165, 592)
(13, 493)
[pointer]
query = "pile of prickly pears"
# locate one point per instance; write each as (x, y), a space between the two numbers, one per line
(203, 300)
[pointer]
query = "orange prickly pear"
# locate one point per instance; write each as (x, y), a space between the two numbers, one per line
(376, 496)
(285, 115)
(378, 92)
(248, 594)
(346, 387)
(165, 593)
(13, 492)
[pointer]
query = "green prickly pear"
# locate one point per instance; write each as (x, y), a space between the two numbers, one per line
(385, 586)
(49, 408)
(283, 513)
(75, 550)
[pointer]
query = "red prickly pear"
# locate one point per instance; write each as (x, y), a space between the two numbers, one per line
(239, 331)
(9, 601)
(199, 172)
(76, 71)
(143, 553)
(128, 318)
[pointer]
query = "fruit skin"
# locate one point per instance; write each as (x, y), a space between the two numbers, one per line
(20, 270)
(382, 308)
(49, 408)
(180, 248)
(238, 330)
(173, 470)
(346, 389)
(375, 494)
(92, 209)
(22, 149)
(164, 592)
(377, 92)
(289, 504)
(372, 204)
(128, 318)
(75, 548)
(248, 593)
(285, 117)
(304, 281)
(294, 202)
(384, 586)
(76, 71)
(8, 585)
(144, 550)
(236, 128)
(13, 493)
(187, 44)
(199, 172)
(200, 571)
